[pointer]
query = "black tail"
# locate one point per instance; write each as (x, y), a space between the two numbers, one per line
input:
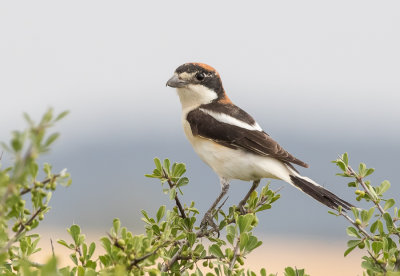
(320, 193)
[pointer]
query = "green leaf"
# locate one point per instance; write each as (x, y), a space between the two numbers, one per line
(290, 271)
(47, 169)
(216, 251)
(265, 206)
(352, 232)
(345, 158)
(191, 238)
(362, 168)
(244, 238)
(370, 213)
(352, 243)
(349, 250)
(199, 249)
(388, 220)
(47, 116)
(374, 226)
(198, 272)
(92, 248)
(341, 165)
(377, 246)
(230, 238)
(352, 184)
(160, 213)
(179, 169)
(152, 175)
(146, 218)
(252, 244)
(388, 204)
(364, 216)
(74, 231)
(355, 212)
(64, 243)
(244, 222)
(81, 271)
(333, 213)
(392, 273)
(385, 185)
(156, 229)
(50, 268)
(380, 227)
(263, 272)
(28, 119)
(90, 265)
(182, 182)
(157, 162)
(16, 144)
(61, 115)
(51, 139)
(167, 164)
(74, 258)
(116, 225)
(369, 171)
(372, 192)
(230, 233)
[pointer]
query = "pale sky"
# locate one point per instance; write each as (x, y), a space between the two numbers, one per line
(322, 77)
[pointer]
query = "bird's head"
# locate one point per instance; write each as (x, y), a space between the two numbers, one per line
(197, 84)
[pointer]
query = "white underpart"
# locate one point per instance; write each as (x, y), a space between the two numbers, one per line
(235, 163)
(239, 164)
(225, 118)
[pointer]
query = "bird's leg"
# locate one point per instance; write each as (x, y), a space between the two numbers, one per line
(244, 200)
(208, 217)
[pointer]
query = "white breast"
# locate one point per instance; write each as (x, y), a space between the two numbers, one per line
(235, 163)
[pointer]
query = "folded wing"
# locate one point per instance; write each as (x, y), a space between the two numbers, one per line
(234, 135)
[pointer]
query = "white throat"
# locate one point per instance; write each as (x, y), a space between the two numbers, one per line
(195, 95)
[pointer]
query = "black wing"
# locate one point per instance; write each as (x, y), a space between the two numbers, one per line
(258, 142)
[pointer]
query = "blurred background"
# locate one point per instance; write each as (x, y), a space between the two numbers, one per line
(320, 77)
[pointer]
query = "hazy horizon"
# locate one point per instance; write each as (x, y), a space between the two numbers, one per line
(322, 78)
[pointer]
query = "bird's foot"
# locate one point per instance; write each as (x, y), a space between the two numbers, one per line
(209, 221)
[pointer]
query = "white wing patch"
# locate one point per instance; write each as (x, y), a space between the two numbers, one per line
(224, 118)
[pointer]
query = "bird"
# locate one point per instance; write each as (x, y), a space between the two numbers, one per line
(232, 143)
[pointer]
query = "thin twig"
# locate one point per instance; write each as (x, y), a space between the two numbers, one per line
(235, 251)
(52, 247)
(362, 183)
(138, 260)
(246, 197)
(167, 266)
(365, 233)
(115, 241)
(190, 257)
(376, 261)
(201, 233)
(20, 231)
(220, 206)
(47, 180)
(178, 203)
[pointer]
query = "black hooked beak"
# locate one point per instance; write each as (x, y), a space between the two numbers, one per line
(176, 82)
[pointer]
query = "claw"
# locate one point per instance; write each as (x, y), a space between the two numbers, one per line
(208, 220)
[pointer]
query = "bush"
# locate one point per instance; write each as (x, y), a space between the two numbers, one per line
(173, 243)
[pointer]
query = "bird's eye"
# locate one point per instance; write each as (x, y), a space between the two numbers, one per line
(200, 76)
